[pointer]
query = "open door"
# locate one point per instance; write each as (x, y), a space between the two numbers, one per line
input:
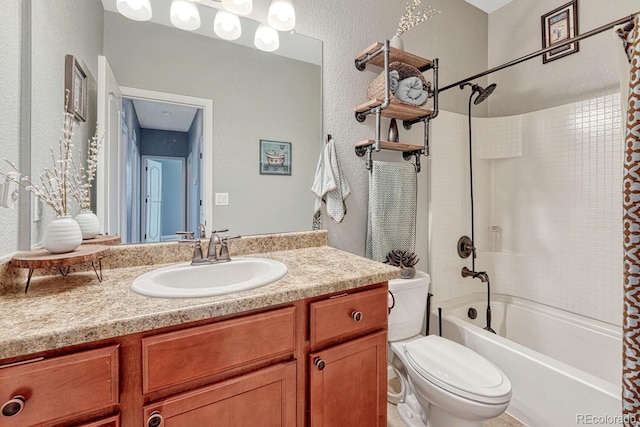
(152, 201)
(109, 176)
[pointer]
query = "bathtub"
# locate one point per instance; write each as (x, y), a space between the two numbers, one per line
(565, 369)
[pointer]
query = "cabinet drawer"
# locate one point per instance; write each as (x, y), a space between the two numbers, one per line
(113, 421)
(266, 397)
(176, 357)
(348, 315)
(61, 387)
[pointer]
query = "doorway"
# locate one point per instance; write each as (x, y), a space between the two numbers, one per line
(163, 198)
(128, 136)
(162, 139)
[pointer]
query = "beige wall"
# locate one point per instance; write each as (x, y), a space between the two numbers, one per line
(514, 31)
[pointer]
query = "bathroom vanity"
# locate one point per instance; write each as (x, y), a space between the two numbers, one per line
(309, 349)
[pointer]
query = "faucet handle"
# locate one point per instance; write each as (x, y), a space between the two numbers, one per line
(224, 249)
(187, 235)
(214, 234)
(202, 231)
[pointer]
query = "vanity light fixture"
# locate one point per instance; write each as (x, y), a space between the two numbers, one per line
(138, 10)
(227, 25)
(239, 7)
(282, 15)
(185, 15)
(266, 38)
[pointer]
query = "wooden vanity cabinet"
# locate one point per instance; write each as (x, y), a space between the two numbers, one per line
(348, 379)
(314, 362)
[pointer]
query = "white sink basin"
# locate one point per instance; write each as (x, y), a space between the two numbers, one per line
(186, 280)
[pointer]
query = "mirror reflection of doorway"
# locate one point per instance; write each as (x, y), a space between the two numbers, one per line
(164, 199)
(162, 139)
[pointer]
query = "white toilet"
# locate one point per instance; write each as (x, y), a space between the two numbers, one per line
(443, 384)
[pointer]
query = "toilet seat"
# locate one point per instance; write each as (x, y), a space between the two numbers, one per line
(457, 369)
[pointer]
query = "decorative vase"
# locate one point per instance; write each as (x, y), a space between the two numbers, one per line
(396, 42)
(89, 224)
(393, 131)
(407, 272)
(62, 235)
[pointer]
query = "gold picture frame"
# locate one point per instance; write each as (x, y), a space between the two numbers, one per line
(75, 85)
(557, 26)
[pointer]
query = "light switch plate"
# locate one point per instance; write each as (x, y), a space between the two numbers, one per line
(222, 199)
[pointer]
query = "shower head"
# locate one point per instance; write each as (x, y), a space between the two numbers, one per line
(482, 93)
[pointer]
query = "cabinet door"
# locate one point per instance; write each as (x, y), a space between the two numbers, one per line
(265, 398)
(348, 383)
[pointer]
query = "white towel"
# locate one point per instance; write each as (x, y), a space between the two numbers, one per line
(330, 186)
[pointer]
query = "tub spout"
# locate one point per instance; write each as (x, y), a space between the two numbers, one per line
(482, 275)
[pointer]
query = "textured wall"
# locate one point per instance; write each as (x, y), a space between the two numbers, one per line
(9, 111)
(515, 31)
(73, 27)
(457, 37)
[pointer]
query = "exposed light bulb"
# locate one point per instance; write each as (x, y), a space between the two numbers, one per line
(282, 15)
(226, 25)
(266, 38)
(239, 7)
(185, 15)
(138, 10)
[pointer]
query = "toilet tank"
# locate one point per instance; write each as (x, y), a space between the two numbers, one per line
(407, 315)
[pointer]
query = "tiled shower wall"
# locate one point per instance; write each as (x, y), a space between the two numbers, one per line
(552, 181)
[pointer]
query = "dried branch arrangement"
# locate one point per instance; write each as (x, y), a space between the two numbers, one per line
(411, 18)
(82, 177)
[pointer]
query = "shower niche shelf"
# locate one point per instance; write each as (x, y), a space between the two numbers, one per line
(381, 55)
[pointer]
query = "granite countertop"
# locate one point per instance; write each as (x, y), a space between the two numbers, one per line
(62, 311)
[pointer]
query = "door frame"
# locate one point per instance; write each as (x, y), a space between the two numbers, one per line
(206, 187)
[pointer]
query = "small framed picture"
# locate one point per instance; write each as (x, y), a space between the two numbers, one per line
(557, 26)
(275, 157)
(75, 85)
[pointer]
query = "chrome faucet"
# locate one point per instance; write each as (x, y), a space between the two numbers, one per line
(189, 238)
(212, 255)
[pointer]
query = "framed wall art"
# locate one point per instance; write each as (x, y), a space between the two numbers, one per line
(275, 157)
(75, 85)
(557, 26)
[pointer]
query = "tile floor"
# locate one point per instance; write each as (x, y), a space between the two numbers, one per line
(503, 420)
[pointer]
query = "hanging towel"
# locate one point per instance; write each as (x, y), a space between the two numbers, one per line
(392, 209)
(329, 186)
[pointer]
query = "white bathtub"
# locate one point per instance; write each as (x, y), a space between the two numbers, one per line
(565, 369)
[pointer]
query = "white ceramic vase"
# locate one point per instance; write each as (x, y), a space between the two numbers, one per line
(62, 235)
(89, 224)
(396, 42)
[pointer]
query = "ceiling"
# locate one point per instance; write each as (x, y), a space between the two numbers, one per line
(488, 5)
(163, 116)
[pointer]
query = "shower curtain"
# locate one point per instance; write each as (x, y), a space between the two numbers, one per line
(630, 35)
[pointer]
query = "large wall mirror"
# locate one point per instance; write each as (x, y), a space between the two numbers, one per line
(190, 116)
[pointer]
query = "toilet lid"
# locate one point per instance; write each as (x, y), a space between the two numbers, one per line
(457, 369)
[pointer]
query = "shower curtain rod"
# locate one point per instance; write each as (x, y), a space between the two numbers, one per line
(545, 50)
